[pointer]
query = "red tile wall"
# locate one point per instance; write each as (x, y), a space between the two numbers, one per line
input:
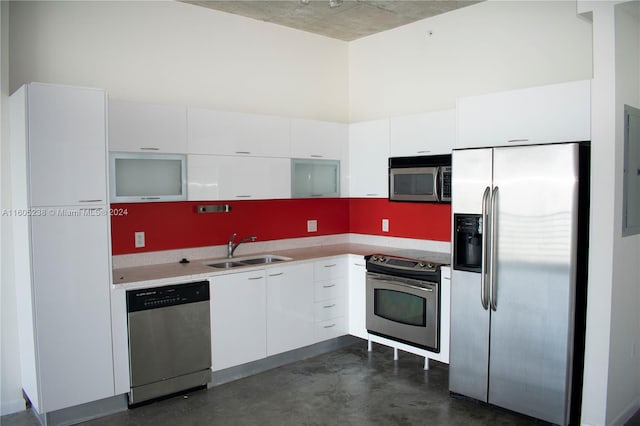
(175, 225)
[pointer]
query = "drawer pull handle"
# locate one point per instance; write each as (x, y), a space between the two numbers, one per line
(359, 264)
(149, 148)
(90, 201)
(329, 326)
(424, 151)
(149, 198)
(316, 156)
(276, 275)
(330, 266)
(517, 140)
(243, 196)
(330, 306)
(243, 152)
(328, 286)
(255, 278)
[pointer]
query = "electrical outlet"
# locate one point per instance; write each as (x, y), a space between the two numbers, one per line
(139, 238)
(385, 225)
(312, 225)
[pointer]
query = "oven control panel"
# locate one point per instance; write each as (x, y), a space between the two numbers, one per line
(400, 262)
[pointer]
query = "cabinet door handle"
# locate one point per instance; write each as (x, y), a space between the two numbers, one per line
(89, 201)
(517, 140)
(424, 151)
(276, 275)
(328, 286)
(254, 278)
(243, 152)
(149, 148)
(330, 266)
(359, 264)
(329, 326)
(243, 196)
(316, 195)
(333, 305)
(372, 195)
(316, 156)
(149, 198)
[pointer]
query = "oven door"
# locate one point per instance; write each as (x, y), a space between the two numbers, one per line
(404, 310)
(413, 184)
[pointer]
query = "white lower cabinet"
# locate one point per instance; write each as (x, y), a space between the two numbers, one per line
(71, 309)
(238, 318)
(357, 297)
(290, 307)
(330, 282)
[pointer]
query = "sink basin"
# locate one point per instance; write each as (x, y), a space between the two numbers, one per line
(226, 265)
(261, 260)
(247, 261)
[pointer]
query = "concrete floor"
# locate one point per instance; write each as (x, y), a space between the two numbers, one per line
(346, 387)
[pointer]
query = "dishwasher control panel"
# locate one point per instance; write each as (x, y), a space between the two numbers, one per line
(171, 295)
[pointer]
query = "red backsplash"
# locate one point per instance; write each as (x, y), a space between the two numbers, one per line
(175, 225)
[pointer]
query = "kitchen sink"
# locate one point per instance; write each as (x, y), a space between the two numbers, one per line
(265, 259)
(226, 265)
(247, 261)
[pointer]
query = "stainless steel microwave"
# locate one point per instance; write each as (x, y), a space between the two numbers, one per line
(421, 179)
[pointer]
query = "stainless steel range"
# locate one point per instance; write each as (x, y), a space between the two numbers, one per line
(403, 300)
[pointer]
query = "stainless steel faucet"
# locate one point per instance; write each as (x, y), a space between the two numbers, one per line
(231, 246)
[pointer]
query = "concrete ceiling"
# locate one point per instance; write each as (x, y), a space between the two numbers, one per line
(351, 20)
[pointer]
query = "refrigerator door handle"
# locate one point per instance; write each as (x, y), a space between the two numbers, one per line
(492, 267)
(484, 296)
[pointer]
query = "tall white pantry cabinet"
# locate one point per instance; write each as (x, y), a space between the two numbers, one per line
(62, 244)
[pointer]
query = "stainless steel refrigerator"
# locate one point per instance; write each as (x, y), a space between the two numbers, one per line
(518, 282)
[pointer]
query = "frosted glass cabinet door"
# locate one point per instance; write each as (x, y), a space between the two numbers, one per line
(315, 178)
(147, 177)
(67, 145)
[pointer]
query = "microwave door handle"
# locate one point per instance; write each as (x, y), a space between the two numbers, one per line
(484, 299)
(436, 183)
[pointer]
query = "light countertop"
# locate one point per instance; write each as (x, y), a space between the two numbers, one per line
(198, 269)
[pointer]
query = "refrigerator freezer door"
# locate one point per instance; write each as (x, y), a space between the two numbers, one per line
(469, 353)
(531, 328)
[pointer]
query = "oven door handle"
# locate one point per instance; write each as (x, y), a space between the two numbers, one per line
(427, 289)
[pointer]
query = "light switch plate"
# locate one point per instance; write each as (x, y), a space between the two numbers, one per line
(139, 238)
(312, 225)
(385, 225)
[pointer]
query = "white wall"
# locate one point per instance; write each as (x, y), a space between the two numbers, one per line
(172, 52)
(487, 47)
(624, 362)
(10, 388)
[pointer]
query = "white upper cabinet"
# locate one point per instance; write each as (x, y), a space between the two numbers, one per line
(66, 145)
(141, 127)
(368, 159)
(430, 133)
(216, 177)
(319, 139)
(235, 133)
(545, 114)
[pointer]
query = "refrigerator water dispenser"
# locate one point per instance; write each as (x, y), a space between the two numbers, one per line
(467, 250)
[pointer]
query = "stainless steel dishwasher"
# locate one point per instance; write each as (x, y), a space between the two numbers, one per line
(169, 340)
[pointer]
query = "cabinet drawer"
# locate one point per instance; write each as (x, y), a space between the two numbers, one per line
(329, 329)
(329, 269)
(332, 289)
(328, 309)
